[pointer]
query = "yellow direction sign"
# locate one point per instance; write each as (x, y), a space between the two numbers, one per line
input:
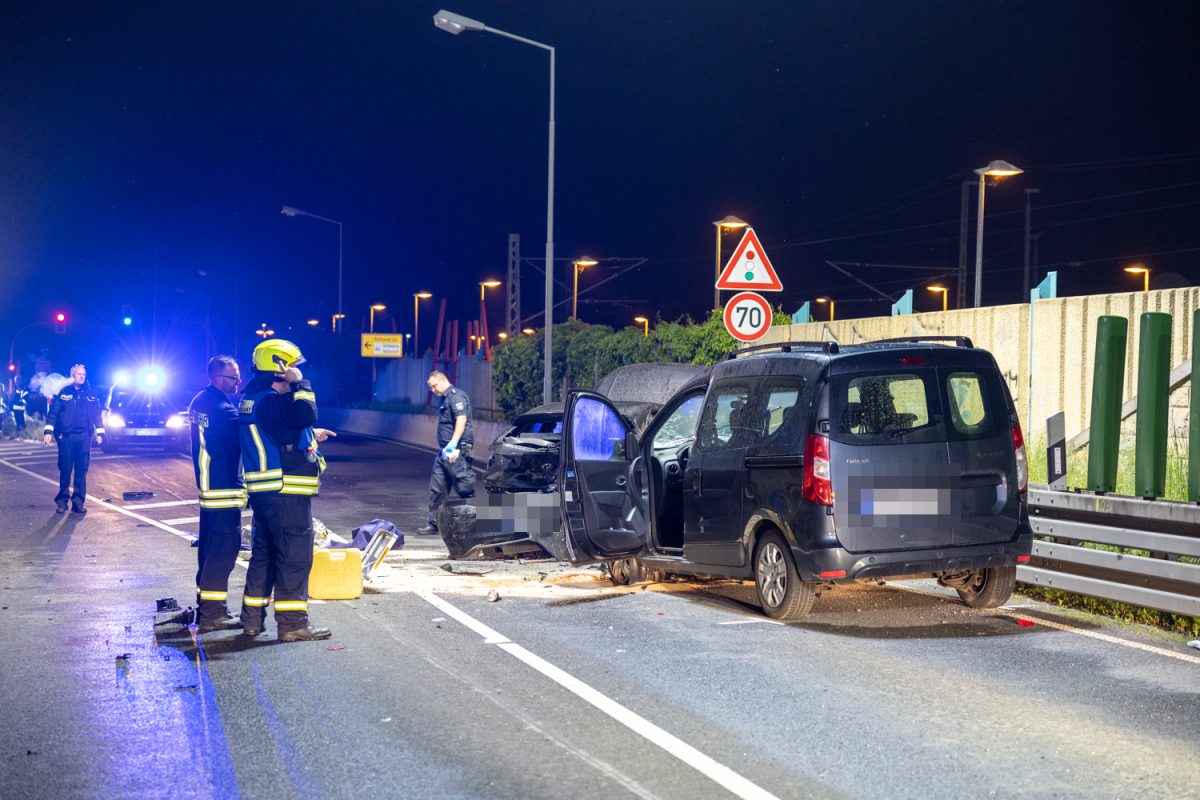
(383, 345)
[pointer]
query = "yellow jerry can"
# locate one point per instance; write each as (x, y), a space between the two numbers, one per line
(336, 574)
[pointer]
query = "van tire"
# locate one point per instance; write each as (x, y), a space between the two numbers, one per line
(625, 571)
(781, 593)
(989, 588)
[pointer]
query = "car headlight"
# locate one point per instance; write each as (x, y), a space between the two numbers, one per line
(176, 421)
(114, 421)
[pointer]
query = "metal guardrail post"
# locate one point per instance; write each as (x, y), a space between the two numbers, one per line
(1194, 416)
(1105, 424)
(1154, 367)
(1056, 450)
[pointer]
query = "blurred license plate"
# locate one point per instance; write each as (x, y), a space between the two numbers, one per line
(517, 512)
(146, 432)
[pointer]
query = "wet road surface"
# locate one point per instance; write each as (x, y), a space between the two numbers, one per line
(564, 687)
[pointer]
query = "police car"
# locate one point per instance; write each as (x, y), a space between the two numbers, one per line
(141, 409)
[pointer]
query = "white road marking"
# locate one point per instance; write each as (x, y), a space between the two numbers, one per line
(189, 520)
(752, 622)
(705, 765)
(166, 504)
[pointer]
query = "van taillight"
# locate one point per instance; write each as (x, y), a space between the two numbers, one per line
(817, 486)
(1022, 462)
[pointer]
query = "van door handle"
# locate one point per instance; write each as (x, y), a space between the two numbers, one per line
(621, 481)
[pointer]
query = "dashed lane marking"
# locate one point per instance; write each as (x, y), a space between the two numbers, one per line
(720, 774)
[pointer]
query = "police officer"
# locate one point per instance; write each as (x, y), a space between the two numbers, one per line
(216, 459)
(282, 471)
(20, 399)
(73, 421)
(452, 466)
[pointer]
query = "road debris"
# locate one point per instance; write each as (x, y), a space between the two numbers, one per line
(493, 596)
(460, 571)
(139, 495)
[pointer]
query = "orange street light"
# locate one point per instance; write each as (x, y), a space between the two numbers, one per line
(1144, 271)
(729, 223)
(374, 308)
(336, 324)
(528, 331)
(645, 325)
(829, 300)
(997, 169)
(502, 336)
(314, 323)
(580, 265)
(490, 283)
(417, 297)
(943, 290)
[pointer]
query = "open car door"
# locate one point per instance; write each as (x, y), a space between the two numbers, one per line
(601, 478)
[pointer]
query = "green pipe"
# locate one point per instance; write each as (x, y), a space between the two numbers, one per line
(1194, 415)
(1104, 439)
(1153, 405)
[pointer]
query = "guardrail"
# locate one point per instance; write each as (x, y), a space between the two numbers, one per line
(1167, 530)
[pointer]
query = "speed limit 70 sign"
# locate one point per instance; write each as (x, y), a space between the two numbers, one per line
(747, 316)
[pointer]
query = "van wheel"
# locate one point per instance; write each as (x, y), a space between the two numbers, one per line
(625, 571)
(781, 593)
(988, 588)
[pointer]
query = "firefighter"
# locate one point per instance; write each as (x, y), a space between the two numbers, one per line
(216, 458)
(20, 398)
(73, 421)
(282, 471)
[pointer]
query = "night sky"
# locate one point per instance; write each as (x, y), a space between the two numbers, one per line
(142, 144)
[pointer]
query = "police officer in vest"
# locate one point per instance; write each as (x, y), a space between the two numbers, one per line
(216, 459)
(452, 466)
(282, 471)
(73, 421)
(20, 398)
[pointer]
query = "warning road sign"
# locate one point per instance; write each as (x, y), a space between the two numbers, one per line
(749, 268)
(747, 316)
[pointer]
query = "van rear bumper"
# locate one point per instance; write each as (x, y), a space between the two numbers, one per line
(812, 563)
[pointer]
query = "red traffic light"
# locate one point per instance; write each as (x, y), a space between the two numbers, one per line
(12, 367)
(60, 317)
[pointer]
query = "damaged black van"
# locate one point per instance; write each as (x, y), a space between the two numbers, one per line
(801, 465)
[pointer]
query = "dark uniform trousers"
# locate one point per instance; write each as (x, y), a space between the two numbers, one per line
(281, 557)
(74, 455)
(217, 550)
(458, 477)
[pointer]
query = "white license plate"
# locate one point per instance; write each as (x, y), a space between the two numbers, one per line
(146, 432)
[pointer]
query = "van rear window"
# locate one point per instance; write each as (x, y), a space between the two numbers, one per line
(886, 408)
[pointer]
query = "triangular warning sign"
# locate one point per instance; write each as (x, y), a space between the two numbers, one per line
(749, 268)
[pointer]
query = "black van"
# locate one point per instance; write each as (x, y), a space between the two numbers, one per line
(803, 464)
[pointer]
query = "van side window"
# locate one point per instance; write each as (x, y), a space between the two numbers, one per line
(725, 422)
(784, 418)
(597, 433)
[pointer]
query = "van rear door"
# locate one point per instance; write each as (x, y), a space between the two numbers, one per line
(894, 487)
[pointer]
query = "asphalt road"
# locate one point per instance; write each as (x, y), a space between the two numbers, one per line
(564, 687)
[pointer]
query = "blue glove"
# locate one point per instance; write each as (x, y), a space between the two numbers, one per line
(448, 449)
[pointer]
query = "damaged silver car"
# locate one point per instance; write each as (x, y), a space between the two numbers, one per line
(518, 506)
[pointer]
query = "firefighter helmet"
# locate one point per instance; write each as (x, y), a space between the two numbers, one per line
(276, 355)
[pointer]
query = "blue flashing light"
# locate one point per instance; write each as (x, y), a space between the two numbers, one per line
(151, 379)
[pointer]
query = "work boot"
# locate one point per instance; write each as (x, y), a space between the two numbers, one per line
(309, 634)
(60, 507)
(251, 632)
(78, 509)
(428, 530)
(226, 623)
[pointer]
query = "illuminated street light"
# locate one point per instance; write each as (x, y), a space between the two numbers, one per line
(528, 331)
(314, 322)
(374, 308)
(944, 292)
(419, 296)
(456, 23)
(1144, 271)
(580, 265)
(502, 336)
(288, 211)
(829, 300)
(490, 283)
(729, 223)
(336, 322)
(645, 325)
(998, 170)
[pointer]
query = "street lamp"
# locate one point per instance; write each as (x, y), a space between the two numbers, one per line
(419, 296)
(830, 301)
(371, 328)
(312, 323)
(288, 211)
(491, 283)
(944, 291)
(528, 331)
(729, 223)
(456, 23)
(1144, 271)
(374, 308)
(580, 265)
(335, 322)
(997, 169)
(645, 325)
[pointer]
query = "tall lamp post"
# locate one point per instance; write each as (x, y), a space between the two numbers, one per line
(645, 325)
(417, 298)
(729, 223)
(456, 23)
(997, 169)
(829, 300)
(943, 290)
(483, 329)
(288, 211)
(580, 265)
(371, 328)
(1144, 271)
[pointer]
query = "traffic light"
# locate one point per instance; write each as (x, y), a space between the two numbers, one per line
(60, 322)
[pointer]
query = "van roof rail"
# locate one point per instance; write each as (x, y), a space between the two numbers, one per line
(959, 341)
(828, 348)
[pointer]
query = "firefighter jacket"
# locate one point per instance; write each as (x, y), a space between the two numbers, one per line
(74, 411)
(20, 396)
(216, 450)
(279, 448)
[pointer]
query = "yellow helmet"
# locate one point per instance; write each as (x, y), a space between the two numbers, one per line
(276, 355)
